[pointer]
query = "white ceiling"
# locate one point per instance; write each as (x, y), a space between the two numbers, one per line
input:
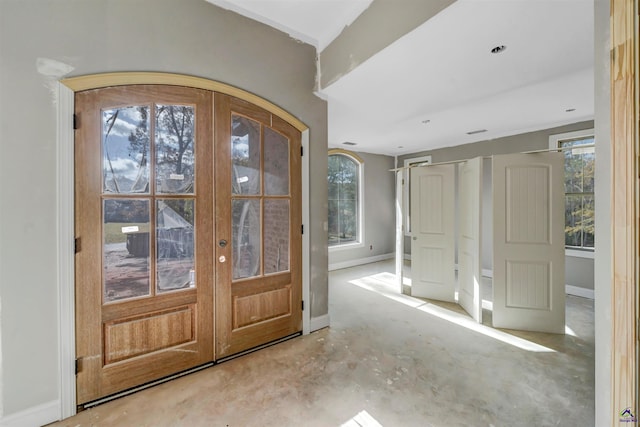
(316, 22)
(443, 72)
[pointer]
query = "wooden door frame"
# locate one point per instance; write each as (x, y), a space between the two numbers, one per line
(624, 207)
(65, 202)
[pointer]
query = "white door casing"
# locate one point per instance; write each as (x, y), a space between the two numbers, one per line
(433, 232)
(528, 242)
(469, 235)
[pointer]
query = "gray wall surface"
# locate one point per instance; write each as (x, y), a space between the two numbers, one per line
(188, 37)
(379, 211)
(578, 271)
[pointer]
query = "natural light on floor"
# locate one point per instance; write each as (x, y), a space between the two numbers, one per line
(384, 284)
(486, 304)
(362, 419)
(569, 331)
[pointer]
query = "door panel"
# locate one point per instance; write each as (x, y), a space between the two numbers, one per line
(469, 244)
(258, 224)
(143, 203)
(528, 258)
(432, 231)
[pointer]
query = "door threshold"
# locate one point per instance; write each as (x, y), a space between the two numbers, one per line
(260, 347)
(133, 390)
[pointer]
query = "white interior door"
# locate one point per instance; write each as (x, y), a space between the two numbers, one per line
(432, 232)
(469, 232)
(528, 243)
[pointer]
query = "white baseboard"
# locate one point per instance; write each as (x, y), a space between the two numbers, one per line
(579, 292)
(360, 261)
(319, 322)
(36, 416)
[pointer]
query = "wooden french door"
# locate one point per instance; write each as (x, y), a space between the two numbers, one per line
(258, 227)
(143, 202)
(152, 213)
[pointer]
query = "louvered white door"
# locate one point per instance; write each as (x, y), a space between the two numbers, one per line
(528, 227)
(432, 232)
(469, 233)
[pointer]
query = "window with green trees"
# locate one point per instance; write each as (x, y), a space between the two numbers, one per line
(579, 172)
(344, 201)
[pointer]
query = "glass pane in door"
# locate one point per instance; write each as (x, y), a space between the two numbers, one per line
(245, 155)
(276, 163)
(175, 140)
(125, 150)
(246, 237)
(126, 238)
(276, 235)
(174, 244)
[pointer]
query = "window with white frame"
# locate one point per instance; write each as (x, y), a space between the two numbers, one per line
(344, 180)
(406, 205)
(579, 173)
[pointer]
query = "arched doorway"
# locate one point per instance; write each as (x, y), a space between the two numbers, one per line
(188, 215)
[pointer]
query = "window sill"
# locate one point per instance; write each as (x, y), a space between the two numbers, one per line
(346, 246)
(579, 253)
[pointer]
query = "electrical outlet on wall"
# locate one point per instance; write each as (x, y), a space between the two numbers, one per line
(370, 247)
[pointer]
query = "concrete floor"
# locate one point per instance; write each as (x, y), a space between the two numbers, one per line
(386, 360)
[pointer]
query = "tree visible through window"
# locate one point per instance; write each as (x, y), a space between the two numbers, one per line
(579, 172)
(344, 187)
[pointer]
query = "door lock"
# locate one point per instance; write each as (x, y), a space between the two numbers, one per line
(222, 243)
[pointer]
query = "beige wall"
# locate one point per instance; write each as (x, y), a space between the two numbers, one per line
(41, 40)
(530, 141)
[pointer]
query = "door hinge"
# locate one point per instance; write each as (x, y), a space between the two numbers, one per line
(77, 366)
(301, 151)
(302, 229)
(302, 305)
(76, 245)
(75, 122)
